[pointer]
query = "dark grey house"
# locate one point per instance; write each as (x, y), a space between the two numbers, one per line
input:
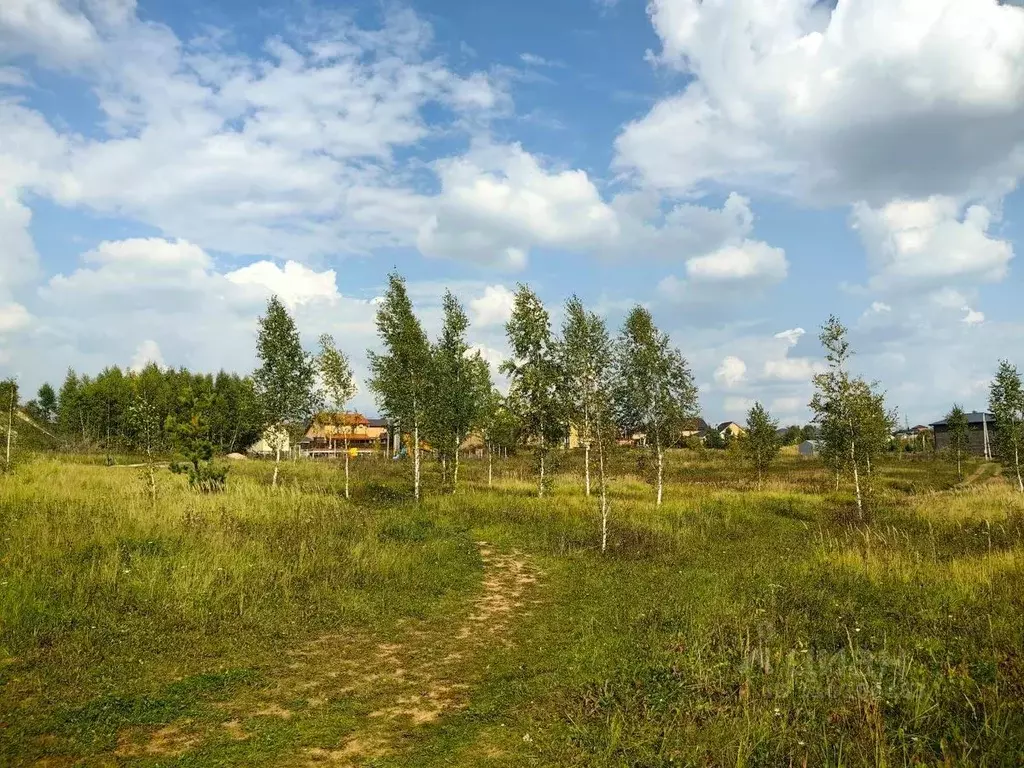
(980, 431)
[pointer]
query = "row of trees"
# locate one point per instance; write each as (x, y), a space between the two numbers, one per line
(104, 410)
(581, 380)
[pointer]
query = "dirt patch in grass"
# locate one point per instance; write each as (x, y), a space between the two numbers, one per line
(410, 681)
(168, 741)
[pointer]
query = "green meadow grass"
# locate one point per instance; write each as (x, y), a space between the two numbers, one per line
(731, 626)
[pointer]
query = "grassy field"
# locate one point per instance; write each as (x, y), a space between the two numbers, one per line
(732, 626)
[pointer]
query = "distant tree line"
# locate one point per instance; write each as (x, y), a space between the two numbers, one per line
(102, 411)
(576, 380)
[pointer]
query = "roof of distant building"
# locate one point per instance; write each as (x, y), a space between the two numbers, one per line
(974, 417)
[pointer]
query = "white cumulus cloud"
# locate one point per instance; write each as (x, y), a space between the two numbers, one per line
(494, 307)
(295, 284)
(926, 243)
(731, 372)
(147, 353)
(874, 100)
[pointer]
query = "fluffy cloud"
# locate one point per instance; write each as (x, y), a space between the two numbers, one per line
(56, 31)
(874, 100)
(494, 307)
(729, 273)
(171, 302)
(740, 363)
(289, 154)
(927, 243)
(147, 353)
(295, 283)
(13, 317)
(497, 203)
(18, 258)
(785, 368)
(731, 372)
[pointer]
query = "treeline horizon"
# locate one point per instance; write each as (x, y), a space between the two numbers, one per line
(577, 377)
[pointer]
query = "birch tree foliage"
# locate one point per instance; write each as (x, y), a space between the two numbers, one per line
(589, 372)
(855, 424)
(654, 390)
(1006, 401)
(339, 386)
(285, 380)
(586, 366)
(761, 443)
(460, 385)
(956, 422)
(400, 376)
(145, 430)
(534, 376)
(873, 422)
(832, 404)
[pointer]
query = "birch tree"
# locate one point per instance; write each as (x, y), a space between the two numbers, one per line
(873, 423)
(339, 387)
(499, 427)
(761, 443)
(489, 415)
(9, 402)
(832, 402)
(851, 413)
(654, 389)
(586, 359)
(285, 379)
(145, 429)
(535, 377)
(1006, 401)
(400, 377)
(956, 421)
(460, 384)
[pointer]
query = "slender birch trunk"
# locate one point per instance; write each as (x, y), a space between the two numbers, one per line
(586, 447)
(150, 470)
(416, 459)
(277, 466)
(490, 466)
(1017, 464)
(455, 472)
(856, 480)
(661, 467)
(586, 465)
(10, 426)
(604, 494)
(543, 449)
(346, 468)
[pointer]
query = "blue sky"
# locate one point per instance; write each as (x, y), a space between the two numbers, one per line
(743, 168)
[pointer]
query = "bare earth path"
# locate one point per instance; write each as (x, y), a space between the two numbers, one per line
(390, 689)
